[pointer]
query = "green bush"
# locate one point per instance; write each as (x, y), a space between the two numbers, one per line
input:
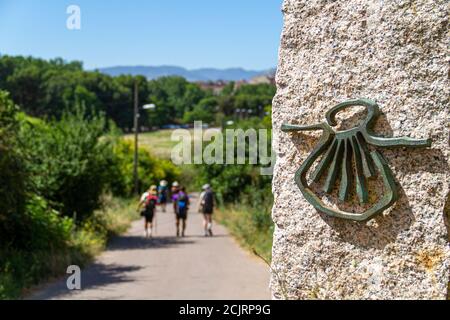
(20, 269)
(69, 161)
(43, 250)
(239, 183)
(47, 229)
(13, 176)
(150, 169)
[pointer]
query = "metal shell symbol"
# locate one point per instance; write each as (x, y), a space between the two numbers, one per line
(345, 155)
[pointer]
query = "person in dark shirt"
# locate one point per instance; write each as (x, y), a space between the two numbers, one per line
(182, 211)
(174, 194)
(207, 208)
(163, 194)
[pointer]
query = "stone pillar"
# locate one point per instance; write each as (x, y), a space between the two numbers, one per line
(395, 53)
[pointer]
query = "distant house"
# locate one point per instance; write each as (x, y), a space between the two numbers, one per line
(269, 79)
(215, 86)
(240, 83)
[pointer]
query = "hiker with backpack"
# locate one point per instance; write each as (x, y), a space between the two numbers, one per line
(174, 194)
(147, 207)
(163, 192)
(207, 208)
(182, 208)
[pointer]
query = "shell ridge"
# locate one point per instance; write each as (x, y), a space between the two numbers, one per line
(334, 167)
(361, 187)
(324, 162)
(346, 174)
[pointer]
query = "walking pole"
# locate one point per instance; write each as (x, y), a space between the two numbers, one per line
(155, 224)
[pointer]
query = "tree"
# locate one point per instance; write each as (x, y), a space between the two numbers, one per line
(13, 176)
(70, 161)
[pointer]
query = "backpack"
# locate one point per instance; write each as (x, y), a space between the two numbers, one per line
(162, 193)
(182, 200)
(150, 204)
(208, 201)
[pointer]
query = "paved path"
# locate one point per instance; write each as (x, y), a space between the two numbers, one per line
(167, 267)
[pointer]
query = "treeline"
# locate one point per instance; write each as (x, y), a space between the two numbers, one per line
(55, 175)
(46, 89)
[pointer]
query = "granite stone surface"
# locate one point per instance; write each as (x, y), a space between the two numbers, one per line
(395, 53)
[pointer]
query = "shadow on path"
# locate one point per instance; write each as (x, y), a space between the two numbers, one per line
(99, 274)
(203, 237)
(94, 276)
(133, 242)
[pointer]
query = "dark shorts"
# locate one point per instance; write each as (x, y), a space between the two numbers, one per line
(182, 214)
(149, 217)
(207, 211)
(162, 199)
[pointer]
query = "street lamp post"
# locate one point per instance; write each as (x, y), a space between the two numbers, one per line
(136, 133)
(136, 136)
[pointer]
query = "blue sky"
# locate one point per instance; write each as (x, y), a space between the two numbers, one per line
(187, 33)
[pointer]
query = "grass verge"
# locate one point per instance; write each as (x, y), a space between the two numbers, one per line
(157, 142)
(251, 227)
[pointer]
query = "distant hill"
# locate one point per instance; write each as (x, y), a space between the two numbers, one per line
(203, 74)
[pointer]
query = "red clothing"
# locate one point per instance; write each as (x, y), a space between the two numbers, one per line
(151, 197)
